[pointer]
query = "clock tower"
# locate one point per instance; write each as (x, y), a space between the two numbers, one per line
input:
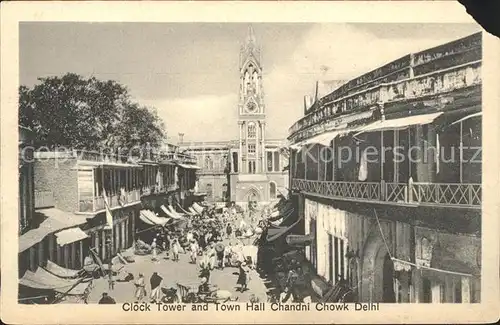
(251, 109)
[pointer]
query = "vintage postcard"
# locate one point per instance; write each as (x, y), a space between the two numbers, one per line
(248, 163)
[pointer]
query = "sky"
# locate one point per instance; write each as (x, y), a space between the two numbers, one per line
(189, 71)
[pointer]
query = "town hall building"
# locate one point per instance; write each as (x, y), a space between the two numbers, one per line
(252, 167)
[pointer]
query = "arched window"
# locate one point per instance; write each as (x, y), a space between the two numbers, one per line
(272, 190)
(252, 131)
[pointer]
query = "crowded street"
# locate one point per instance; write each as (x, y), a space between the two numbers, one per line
(225, 266)
(176, 272)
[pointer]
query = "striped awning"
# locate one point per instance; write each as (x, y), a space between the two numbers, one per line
(150, 218)
(400, 123)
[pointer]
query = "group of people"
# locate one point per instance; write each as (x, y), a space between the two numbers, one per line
(212, 240)
(140, 289)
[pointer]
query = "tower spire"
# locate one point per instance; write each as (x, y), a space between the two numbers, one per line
(250, 36)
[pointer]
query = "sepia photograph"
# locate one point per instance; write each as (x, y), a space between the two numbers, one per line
(249, 166)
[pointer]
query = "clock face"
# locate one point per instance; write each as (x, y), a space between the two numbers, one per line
(251, 107)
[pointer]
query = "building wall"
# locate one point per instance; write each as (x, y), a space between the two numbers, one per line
(213, 185)
(61, 179)
(371, 244)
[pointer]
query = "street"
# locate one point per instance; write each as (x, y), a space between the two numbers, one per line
(172, 272)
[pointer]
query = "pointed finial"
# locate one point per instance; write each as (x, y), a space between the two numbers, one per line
(251, 35)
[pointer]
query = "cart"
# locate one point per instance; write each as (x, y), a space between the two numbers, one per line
(188, 293)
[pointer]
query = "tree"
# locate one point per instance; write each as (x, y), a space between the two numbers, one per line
(138, 127)
(90, 114)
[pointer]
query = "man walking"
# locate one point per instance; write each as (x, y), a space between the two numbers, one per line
(155, 282)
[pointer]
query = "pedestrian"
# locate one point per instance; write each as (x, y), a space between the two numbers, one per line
(155, 282)
(219, 248)
(291, 284)
(243, 277)
(212, 255)
(140, 288)
(194, 251)
(111, 281)
(175, 250)
(202, 241)
(153, 249)
(106, 299)
(227, 254)
(205, 267)
(229, 230)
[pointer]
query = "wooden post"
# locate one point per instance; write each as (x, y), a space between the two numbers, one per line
(461, 152)
(51, 238)
(104, 245)
(416, 285)
(66, 256)
(58, 254)
(436, 292)
(466, 292)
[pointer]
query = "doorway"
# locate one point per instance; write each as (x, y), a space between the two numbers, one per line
(388, 281)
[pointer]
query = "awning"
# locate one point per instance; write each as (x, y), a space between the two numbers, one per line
(186, 166)
(69, 236)
(150, 218)
(54, 220)
(400, 123)
(274, 214)
(325, 138)
(170, 213)
(274, 233)
(41, 279)
(288, 218)
(184, 211)
(467, 117)
(197, 208)
(60, 271)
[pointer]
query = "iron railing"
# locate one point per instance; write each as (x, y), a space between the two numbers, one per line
(442, 193)
(96, 204)
(435, 194)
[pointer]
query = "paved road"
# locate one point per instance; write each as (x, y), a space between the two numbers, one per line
(172, 272)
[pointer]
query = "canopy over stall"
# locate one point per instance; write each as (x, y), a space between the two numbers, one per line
(69, 236)
(53, 220)
(197, 208)
(400, 123)
(42, 279)
(170, 214)
(274, 233)
(186, 166)
(61, 271)
(150, 218)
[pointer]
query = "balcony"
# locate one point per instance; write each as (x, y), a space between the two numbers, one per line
(100, 156)
(416, 194)
(180, 157)
(44, 199)
(97, 204)
(445, 69)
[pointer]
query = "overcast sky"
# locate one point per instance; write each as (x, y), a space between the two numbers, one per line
(189, 71)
